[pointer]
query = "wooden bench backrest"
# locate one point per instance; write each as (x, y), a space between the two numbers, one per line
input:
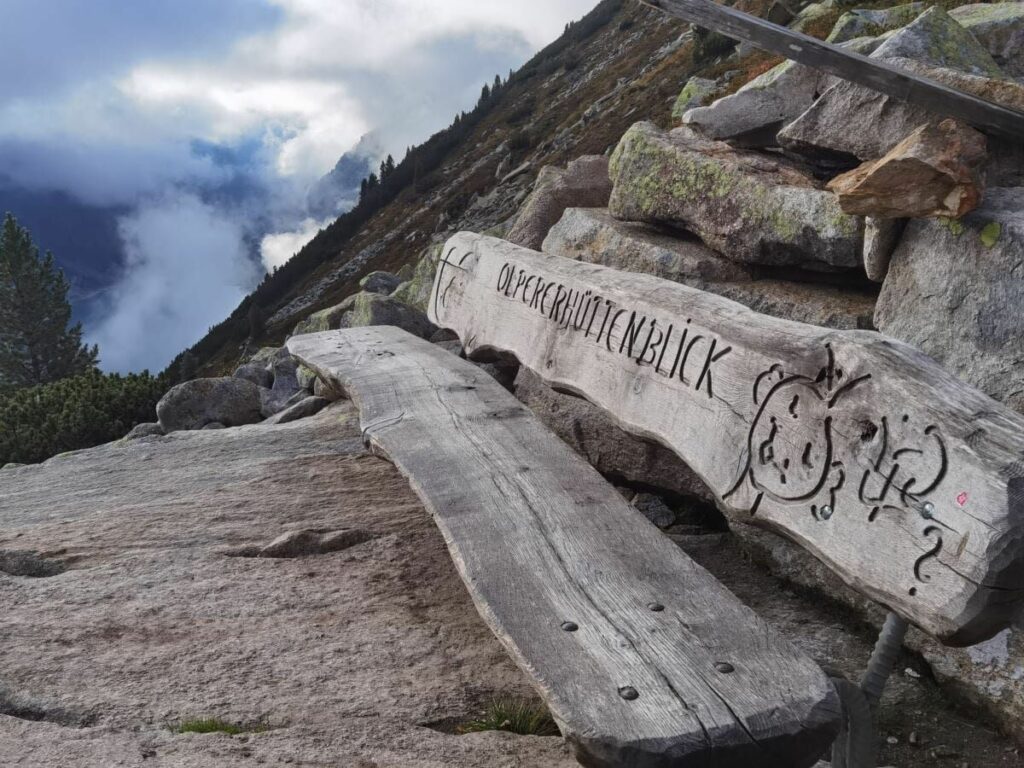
(644, 658)
(903, 479)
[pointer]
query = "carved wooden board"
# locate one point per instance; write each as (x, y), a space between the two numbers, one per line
(661, 665)
(904, 480)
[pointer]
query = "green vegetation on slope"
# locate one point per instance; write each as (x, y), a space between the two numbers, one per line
(81, 412)
(38, 344)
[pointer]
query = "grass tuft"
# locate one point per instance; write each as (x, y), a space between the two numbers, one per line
(217, 725)
(525, 718)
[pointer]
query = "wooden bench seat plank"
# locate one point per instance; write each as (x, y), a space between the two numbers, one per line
(541, 539)
(903, 479)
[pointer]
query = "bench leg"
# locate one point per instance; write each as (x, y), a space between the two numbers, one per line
(856, 744)
(890, 641)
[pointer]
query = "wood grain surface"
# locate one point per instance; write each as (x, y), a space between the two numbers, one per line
(644, 658)
(903, 479)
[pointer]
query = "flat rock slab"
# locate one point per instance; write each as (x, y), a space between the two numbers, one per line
(903, 479)
(346, 656)
(583, 592)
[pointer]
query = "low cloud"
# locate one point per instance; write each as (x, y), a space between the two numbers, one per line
(209, 120)
(277, 248)
(186, 268)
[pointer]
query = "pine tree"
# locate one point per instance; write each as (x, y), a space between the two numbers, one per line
(389, 167)
(485, 94)
(37, 343)
(497, 85)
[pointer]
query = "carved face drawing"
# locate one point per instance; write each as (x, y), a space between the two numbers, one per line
(791, 455)
(790, 442)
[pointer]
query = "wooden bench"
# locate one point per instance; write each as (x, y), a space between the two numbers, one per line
(643, 657)
(903, 479)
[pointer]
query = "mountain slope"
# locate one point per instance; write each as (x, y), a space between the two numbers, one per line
(621, 63)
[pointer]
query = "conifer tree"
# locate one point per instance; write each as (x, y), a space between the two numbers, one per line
(38, 344)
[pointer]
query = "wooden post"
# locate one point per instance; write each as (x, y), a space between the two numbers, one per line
(871, 73)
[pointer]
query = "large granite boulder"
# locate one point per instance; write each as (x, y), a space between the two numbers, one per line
(196, 403)
(935, 171)
(850, 120)
(747, 206)
(813, 303)
(380, 282)
(754, 114)
(583, 184)
(307, 406)
(611, 450)
(955, 290)
(151, 429)
(695, 93)
(415, 291)
(1000, 28)
(374, 309)
(329, 319)
(258, 373)
(592, 235)
(873, 22)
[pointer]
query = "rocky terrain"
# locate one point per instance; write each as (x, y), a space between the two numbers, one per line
(706, 163)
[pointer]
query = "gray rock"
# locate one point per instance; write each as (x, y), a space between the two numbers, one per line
(593, 236)
(272, 403)
(307, 406)
(870, 22)
(748, 207)
(12, 465)
(851, 120)
(881, 236)
(455, 347)
(754, 114)
(612, 451)
(374, 309)
(654, 509)
(380, 282)
(696, 92)
(937, 39)
(325, 390)
(955, 290)
(285, 370)
(443, 334)
(814, 303)
(583, 184)
(416, 291)
(214, 425)
(258, 373)
(196, 403)
(144, 430)
(330, 319)
(306, 377)
(999, 27)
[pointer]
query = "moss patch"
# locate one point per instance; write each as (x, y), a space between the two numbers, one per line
(990, 234)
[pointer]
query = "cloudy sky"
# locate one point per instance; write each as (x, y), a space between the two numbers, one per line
(170, 143)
